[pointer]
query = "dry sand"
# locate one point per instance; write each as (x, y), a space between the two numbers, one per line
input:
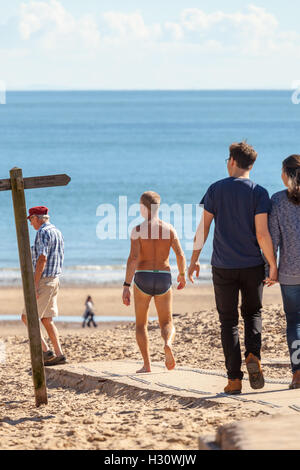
(104, 419)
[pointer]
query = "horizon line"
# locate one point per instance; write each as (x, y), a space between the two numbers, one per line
(142, 89)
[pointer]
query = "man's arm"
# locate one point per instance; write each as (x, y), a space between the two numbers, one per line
(132, 260)
(180, 258)
(199, 242)
(274, 229)
(39, 269)
(131, 265)
(42, 242)
(265, 242)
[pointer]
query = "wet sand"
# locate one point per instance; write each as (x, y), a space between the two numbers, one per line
(108, 300)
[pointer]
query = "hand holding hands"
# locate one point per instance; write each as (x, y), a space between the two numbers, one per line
(272, 278)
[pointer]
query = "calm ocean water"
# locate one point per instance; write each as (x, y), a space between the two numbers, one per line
(122, 143)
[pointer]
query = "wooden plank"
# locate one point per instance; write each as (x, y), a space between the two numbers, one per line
(38, 182)
(277, 432)
(38, 373)
(5, 185)
(46, 181)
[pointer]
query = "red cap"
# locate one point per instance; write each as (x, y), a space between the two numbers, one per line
(39, 210)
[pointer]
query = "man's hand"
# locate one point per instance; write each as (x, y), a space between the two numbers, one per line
(273, 277)
(126, 296)
(182, 281)
(192, 268)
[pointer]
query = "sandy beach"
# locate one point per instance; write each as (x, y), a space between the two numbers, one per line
(106, 420)
(108, 301)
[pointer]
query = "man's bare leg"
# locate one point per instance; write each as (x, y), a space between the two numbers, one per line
(141, 303)
(53, 335)
(45, 346)
(163, 305)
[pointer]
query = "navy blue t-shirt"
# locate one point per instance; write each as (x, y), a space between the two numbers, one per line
(234, 202)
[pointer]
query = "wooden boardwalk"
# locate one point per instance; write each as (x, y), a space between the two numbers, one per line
(190, 383)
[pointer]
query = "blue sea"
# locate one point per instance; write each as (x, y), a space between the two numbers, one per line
(122, 143)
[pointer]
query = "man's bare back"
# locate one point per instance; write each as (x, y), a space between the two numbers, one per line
(155, 238)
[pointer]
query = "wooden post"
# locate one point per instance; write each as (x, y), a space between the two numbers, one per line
(34, 333)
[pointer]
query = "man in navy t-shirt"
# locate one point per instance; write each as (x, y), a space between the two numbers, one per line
(240, 210)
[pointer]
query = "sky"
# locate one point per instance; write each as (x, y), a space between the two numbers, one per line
(166, 44)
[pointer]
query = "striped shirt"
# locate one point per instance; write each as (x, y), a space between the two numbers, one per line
(50, 243)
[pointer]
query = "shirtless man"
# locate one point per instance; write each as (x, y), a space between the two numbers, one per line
(148, 263)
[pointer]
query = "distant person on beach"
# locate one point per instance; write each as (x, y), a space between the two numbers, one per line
(148, 263)
(47, 258)
(89, 313)
(284, 223)
(240, 210)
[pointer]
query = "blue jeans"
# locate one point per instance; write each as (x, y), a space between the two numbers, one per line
(291, 303)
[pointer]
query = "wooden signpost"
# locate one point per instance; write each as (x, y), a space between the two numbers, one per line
(17, 185)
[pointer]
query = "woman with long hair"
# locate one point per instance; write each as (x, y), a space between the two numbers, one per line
(285, 231)
(148, 263)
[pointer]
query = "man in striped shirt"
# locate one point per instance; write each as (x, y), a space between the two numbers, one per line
(47, 259)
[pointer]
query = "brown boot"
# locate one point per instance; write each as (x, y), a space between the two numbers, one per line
(296, 381)
(256, 377)
(234, 387)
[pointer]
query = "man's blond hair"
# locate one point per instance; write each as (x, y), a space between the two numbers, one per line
(151, 200)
